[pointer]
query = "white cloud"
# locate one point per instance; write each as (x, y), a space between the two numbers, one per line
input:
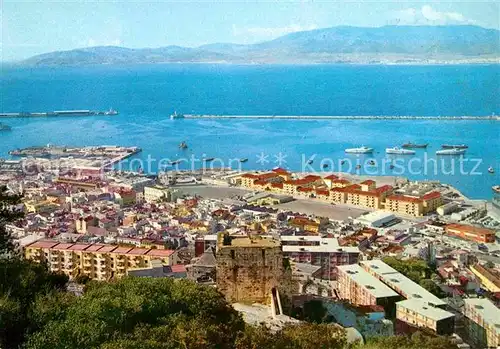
(270, 32)
(428, 15)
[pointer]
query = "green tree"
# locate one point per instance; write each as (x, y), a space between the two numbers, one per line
(297, 336)
(21, 282)
(415, 341)
(166, 312)
(431, 286)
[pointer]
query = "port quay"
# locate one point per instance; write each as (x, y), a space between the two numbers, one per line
(335, 117)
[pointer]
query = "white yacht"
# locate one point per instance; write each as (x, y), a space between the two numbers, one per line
(360, 150)
(399, 151)
(454, 151)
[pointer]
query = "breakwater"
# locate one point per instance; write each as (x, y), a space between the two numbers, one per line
(335, 117)
(80, 113)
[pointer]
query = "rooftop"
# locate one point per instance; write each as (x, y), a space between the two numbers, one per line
(424, 309)
(246, 241)
(488, 311)
(397, 280)
(370, 283)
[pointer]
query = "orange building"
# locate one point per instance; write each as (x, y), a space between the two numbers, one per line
(366, 195)
(413, 205)
(283, 173)
(471, 233)
(403, 204)
(260, 181)
(291, 187)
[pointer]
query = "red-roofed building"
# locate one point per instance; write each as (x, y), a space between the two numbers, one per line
(260, 181)
(471, 233)
(366, 195)
(283, 173)
(414, 205)
(98, 261)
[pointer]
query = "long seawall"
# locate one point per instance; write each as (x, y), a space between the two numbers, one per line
(337, 117)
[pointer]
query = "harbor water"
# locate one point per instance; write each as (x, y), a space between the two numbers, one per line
(146, 95)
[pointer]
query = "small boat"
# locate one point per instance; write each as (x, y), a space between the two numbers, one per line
(491, 170)
(176, 116)
(208, 159)
(309, 162)
(411, 145)
(358, 167)
(244, 160)
(496, 189)
(342, 162)
(456, 146)
(175, 162)
(4, 127)
(325, 166)
(454, 151)
(399, 151)
(360, 150)
(391, 166)
(371, 162)
(183, 145)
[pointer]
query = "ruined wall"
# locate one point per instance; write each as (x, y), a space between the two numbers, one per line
(248, 274)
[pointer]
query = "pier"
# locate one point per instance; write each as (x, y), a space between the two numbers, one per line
(80, 113)
(338, 117)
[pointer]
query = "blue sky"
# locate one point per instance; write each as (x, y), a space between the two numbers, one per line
(33, 27)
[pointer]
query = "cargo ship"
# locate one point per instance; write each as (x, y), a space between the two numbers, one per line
(454, 146)
(454, 151)
(411, 145)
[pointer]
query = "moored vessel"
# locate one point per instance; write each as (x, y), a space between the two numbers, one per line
(411, 145)
(454, 146)
(496, 189)
(4, 127)
(360, 150)
(176, 116)
(454, 151)
(399, 151)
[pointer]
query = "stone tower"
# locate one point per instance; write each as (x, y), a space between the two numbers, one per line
(249, 269)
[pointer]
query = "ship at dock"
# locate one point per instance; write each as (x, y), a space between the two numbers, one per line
(411, 145)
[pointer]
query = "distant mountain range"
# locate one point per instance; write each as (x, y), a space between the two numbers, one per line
(388, 44)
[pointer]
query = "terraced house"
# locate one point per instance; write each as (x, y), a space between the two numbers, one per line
(97, 261)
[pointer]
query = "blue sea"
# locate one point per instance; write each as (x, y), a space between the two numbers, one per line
(146, 95)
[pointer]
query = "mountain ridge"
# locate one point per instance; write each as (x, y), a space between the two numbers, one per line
(341, 44)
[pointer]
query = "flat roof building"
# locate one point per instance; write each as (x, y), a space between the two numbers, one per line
(482, 322)
(420, 314)
(361, 288)
(400, 283)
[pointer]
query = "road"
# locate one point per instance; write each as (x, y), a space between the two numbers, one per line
(301, 205)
